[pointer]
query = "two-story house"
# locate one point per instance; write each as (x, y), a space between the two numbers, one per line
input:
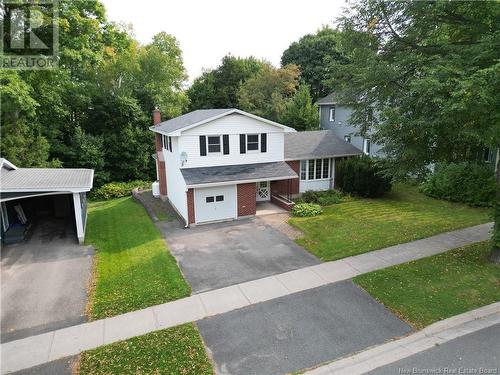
(216, 164)
(336, 116)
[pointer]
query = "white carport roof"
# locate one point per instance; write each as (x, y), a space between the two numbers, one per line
(24, 182)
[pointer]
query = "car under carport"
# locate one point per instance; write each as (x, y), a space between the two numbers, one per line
(31, 196)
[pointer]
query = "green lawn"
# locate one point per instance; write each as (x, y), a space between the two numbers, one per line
(362, 225)
(431, 289)
(133, 268)
(177, 350)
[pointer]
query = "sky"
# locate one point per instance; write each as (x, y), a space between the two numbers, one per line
(208, 30)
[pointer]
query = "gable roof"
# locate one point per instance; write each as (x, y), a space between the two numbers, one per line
(331, 98)
(317, 144)
(201, 116)
(5, 164)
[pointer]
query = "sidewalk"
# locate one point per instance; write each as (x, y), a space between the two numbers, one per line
(36, 350)
(435, 334)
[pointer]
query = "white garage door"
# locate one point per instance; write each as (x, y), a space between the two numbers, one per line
(215, 203)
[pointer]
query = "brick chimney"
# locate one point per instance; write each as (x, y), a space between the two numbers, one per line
(156, 116)
(156, 121)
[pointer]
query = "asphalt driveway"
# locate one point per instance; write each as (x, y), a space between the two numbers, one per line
(44, 282)
(222, 254)
(298, 331)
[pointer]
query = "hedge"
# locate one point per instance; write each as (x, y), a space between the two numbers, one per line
(362, 176)
(466, 182)
(117, 189)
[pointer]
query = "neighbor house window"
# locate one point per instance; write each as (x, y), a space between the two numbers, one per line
(213, 143)
(332, 114)
(488, 155)
(366, 146)
(253, 142)
(314, 169)
(347, 138)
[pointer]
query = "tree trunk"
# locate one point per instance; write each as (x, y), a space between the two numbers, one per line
(495, 243)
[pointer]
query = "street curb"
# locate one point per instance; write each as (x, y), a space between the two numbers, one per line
(432, 335)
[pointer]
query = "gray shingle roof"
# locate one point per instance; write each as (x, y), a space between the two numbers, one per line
(241, 172)
(190, 118)
(315, 144)
(46, 179)
(329, 99)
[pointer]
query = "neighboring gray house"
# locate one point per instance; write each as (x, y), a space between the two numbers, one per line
(336, 116)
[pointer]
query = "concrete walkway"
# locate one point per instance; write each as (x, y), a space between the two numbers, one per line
(35, 350)
(435, 334)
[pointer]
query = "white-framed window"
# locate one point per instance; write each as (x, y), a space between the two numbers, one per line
(166, 142)
(253, 142)
(303, 170)
(214, 144)
(212, 199)
(347, 138)
(315, 169)
(332, 113)
(366, 146)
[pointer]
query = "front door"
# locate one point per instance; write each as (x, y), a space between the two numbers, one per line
(263, 191)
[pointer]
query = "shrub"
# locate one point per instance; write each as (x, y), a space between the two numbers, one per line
(465, 182)
(306, 209)
(323, 198)
(117, 189)
(362, 176)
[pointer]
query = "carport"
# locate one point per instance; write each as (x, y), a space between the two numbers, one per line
(31, 195)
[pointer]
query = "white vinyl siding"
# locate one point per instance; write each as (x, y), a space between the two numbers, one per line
(233, 125)
(315, 174)
(176, 187)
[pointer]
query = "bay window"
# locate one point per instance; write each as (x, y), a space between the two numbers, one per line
(314, 169)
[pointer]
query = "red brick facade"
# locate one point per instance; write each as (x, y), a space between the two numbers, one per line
(289, 187)
(190, 206)
(247, 199)
(162, 174)
(284, 205)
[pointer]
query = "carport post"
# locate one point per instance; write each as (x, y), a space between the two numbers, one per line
(80, 230)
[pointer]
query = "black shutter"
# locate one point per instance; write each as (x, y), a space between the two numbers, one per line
(225, 144)
(170, 143)
(263, 142)
(243, 143)
(203, 145)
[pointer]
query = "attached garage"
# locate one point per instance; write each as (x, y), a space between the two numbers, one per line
(215, 203)
(230, 191)
(51, 197)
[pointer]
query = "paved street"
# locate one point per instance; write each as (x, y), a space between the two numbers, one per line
(476, 351)
(298, 331)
